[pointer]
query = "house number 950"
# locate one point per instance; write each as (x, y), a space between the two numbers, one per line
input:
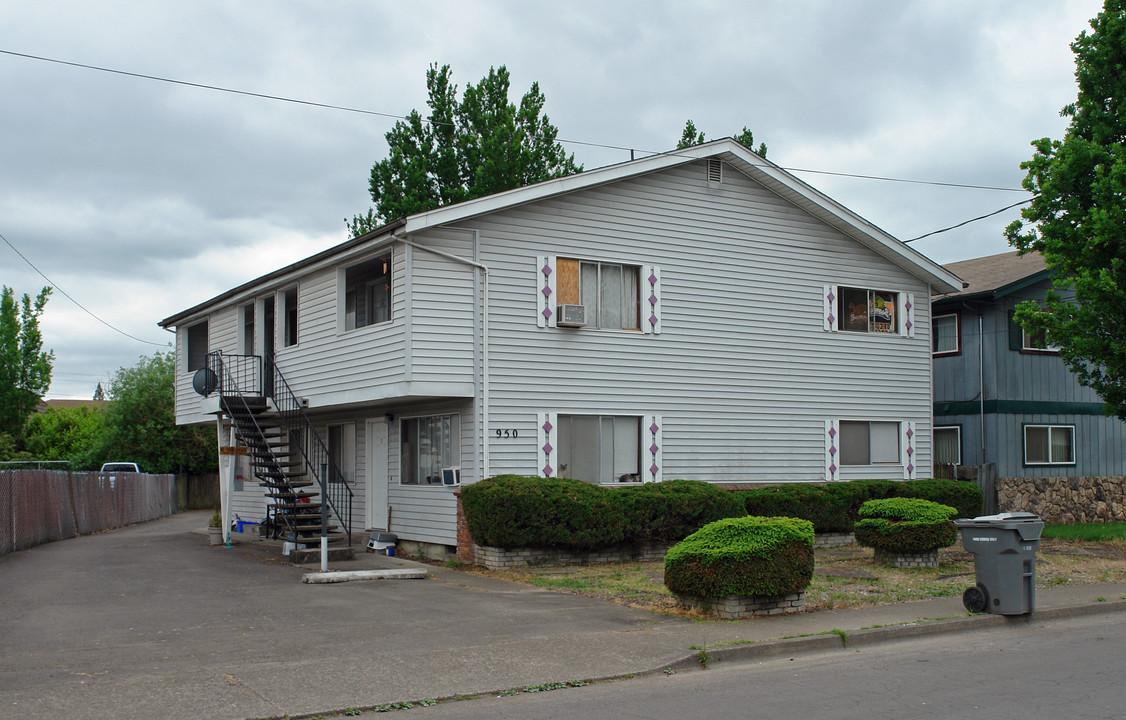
(506, 434)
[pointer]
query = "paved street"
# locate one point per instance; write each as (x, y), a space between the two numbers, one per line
(151, 622)
(1062, 669)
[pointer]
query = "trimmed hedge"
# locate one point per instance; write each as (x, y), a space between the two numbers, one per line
(748, 556)
(906, 525)
(510, 511)
(835, 507)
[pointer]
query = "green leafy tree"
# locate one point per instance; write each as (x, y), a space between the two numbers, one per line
(66, 433)
(481, 145)
(1077, 219)
(691, 136)
(140, 422)
(25, 369)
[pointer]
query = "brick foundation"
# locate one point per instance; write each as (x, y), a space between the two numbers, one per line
(733, 607)
(500, 559)
(831, 540)
(928, 559)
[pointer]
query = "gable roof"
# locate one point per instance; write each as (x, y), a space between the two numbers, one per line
(995, 276)
(757, 168)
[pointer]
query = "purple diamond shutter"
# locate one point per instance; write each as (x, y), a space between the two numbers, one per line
(545, 291)
(649, 299)
(829, 313)
(547, 442)
(907, 451)
(652, 453)
(907, 314)
(832, 435)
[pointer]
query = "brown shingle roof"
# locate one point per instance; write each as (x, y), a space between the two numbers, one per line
(991, 273)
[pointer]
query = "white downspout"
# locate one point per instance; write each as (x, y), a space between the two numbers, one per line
(484, 340)
(981, 379)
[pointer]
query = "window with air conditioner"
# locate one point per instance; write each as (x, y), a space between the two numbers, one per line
(608, 292)
(429, 445)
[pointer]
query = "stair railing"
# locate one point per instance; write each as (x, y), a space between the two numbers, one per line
(239, 377)
(335, 491)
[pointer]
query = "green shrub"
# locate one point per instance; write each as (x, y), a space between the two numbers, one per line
(510, 511)
(906, 525)
(672, 510)
(835, 507)
(749, 556)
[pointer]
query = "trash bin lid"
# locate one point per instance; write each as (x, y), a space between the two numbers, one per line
(1029, 525)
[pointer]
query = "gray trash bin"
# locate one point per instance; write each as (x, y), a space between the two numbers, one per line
(1004, 548)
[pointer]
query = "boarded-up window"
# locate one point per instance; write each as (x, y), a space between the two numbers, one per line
(609, 292)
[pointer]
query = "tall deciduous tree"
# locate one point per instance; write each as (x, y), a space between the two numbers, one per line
(691, 136)
(25, 369)
(140, 422)
(464, 149)
(1077, 219)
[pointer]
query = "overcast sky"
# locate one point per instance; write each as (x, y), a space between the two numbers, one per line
(141, 198)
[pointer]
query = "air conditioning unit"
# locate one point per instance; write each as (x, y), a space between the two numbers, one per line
(451, 476)
(571, 316)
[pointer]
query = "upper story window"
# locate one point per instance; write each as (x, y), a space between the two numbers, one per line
(946, 335)
(870, 311)
(608, 291)
(196, 351)
(1049, 444)
(367, 293)
(1036, 342)
(289, 337)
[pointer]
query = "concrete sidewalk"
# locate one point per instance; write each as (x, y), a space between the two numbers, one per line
(150, 621)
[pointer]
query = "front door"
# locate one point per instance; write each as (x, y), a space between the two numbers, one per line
(377, 502)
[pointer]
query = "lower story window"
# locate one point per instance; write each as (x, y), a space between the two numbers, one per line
(429, 444)
(1049, 445)
(948, 445)
(869, 443)
(600, 448)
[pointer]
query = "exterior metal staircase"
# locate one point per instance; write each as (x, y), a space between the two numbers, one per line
(307, 494)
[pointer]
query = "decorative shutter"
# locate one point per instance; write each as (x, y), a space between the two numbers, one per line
(1016, 335)
(652, 432)
(650, 290)
(907, 453)
(907, 313)
(545, 291)
(829, 314)
(546, 446)
(832, 432)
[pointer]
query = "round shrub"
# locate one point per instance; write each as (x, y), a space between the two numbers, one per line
(510, 511)
(749, 556)
(671, 510)
(963, 495)
(906, 525)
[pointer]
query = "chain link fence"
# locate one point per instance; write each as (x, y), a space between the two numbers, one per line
(41, 506)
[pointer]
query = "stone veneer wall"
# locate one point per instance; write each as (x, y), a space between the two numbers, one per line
(1065, 500)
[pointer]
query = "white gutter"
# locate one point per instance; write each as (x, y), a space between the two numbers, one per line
(484, 340)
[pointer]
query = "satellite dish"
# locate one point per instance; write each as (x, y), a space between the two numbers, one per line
(205, 381)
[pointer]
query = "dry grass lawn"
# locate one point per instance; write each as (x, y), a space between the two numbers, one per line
(844, 577)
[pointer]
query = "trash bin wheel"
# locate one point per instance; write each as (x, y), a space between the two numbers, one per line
(975, 599)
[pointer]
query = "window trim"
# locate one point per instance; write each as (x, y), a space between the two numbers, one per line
(1050, 427)
(285, 319)
(841, 310)
(934, 443)
(456, 439)
(957, 335)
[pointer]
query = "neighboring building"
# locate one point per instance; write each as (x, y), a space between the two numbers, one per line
(1003, 396)
(699, 314)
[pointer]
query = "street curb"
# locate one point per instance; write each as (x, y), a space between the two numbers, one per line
(322, 578)
(869, 637)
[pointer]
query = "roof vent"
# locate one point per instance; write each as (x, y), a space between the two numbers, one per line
(715, 170)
